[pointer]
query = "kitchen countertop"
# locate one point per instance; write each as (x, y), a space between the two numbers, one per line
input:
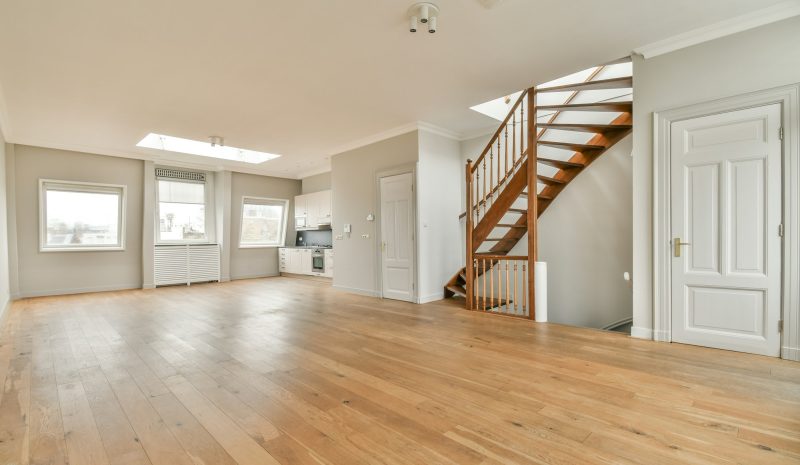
(306, 247)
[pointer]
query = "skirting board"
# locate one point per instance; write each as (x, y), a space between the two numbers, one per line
(81, 290)
(253, 276)
(790, 353)
(431, 297)
(355, 290)
(641, 333)
(4, 310)
(616, 324)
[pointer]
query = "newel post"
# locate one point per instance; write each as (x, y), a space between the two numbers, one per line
(470, 270)
(533, 207)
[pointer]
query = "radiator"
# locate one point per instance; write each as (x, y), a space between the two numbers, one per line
(186, 264)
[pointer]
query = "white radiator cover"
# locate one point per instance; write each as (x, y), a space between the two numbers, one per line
(186, 264)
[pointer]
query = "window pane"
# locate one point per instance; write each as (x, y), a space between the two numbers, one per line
(181, 192)
(182, 221)
(262, 224)
(76, 219)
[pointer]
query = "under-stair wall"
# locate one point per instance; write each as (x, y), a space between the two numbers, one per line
(585, 238)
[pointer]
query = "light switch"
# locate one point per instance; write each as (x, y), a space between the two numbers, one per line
(348, 228)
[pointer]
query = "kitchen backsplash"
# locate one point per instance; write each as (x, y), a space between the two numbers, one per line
(320, 238)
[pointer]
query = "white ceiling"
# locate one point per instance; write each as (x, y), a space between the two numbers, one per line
(302, 78)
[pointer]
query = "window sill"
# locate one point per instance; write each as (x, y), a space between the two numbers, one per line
(81, 249)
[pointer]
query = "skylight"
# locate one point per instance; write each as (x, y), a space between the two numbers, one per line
(497, 108)
(204, 149)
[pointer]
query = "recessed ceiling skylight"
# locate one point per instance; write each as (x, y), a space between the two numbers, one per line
(204, 149)
(497, 108)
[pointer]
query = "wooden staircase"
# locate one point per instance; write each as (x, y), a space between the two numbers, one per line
(540, 154)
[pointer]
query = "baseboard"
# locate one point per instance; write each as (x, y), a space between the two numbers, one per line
(431, 297)
(80, 290)
(616, 324)
(641, 333)
(254, 276)
(355, 290)
(4, 310)
(790, 353)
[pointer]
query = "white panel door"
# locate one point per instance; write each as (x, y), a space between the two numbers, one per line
(726, 205)
(397, 233)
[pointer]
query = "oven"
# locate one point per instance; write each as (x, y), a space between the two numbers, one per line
(318, 261)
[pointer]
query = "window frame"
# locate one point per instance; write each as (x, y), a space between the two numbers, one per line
(208, 198)
(84, 187)
(284, 226)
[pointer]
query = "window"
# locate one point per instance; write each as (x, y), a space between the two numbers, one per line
(263, 222)
(182, 212)
(81, 216)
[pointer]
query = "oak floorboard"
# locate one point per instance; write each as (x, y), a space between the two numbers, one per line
(292, 372)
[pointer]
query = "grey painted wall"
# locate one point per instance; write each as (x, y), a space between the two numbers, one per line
(585, 238)
(354, 183)
(754, 60)
(43, 273)
(258, 262)
(5, 270)
(316, 183)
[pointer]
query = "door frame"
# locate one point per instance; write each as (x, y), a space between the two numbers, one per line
(400, 169)
(789, 98)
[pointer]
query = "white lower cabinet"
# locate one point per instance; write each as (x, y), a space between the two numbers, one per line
(328, 264)
(299, 261)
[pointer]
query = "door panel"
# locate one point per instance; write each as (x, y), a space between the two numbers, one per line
(726, 204)
(397, 229)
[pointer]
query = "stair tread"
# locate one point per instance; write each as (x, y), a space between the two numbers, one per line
(600, 84)
(457, 290)
(489, 303)
(595, 128)
(550, 181)
(623, 107)
(562, 164)
(571, 145)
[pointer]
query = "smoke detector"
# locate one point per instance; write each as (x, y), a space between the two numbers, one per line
(425, 13)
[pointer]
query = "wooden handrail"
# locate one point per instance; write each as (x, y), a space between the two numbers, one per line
(500, 257)
(500, 129)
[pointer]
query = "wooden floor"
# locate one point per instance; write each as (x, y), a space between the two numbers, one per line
(292, 372)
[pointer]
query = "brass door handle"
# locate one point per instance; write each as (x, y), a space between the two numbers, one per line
(676, 243)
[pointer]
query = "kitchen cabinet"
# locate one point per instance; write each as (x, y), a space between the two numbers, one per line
(314, 207)
(301, 206)
(300, 261)
(328, 264)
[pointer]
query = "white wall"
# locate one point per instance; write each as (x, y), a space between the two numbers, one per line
(585, 238)
(258, 262)
(354, 184)
(46, 273)
(758, 59)
(5, 270)
(439, 176)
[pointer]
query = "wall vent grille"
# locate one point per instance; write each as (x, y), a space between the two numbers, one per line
(180, 174)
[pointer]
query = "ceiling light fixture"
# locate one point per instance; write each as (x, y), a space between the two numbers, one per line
(425, 13)
(214, 148)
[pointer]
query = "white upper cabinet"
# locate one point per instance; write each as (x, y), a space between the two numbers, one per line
(324, 207)
(301, 206)
(315, 207)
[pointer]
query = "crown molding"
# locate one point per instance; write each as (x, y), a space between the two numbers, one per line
(178, 160)
(315, 171)
(774, 13)
(440, 131)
